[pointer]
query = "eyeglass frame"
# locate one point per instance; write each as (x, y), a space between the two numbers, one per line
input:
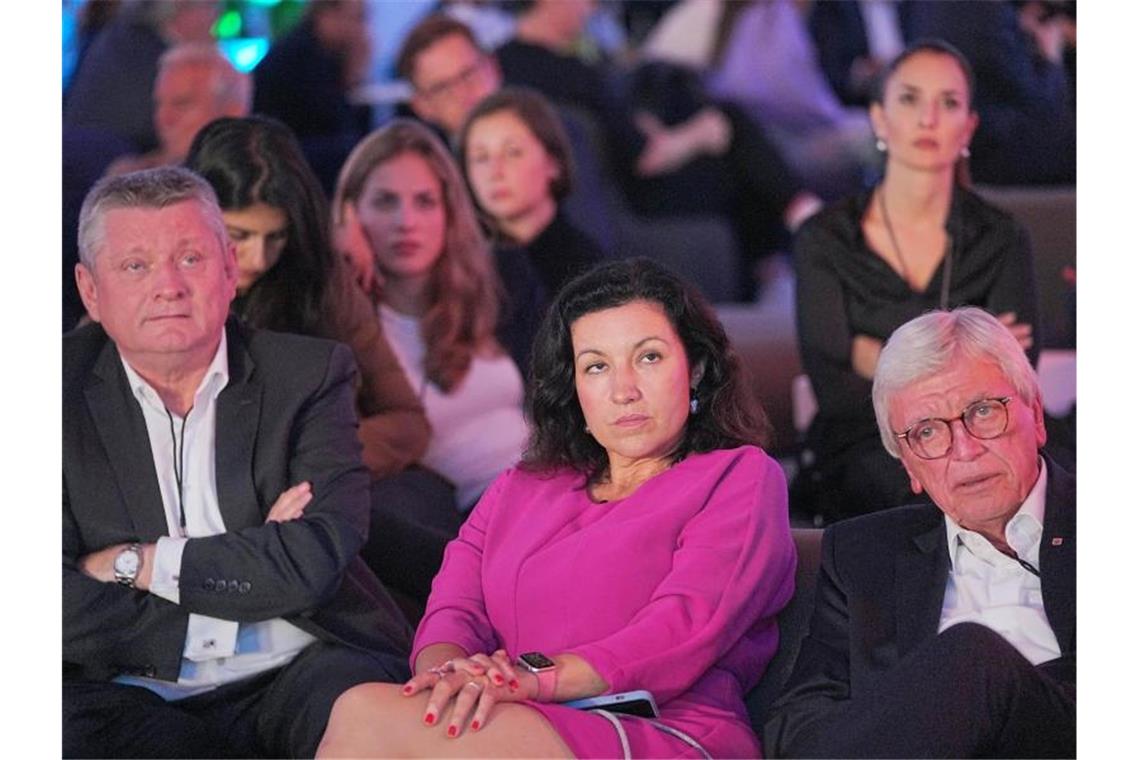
(905, 435)
(465, 76)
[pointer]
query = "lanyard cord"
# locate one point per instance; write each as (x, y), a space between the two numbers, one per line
(179, 444)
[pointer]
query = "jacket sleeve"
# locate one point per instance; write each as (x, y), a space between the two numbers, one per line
(733, 566)
(111, 627)
(822, 326)
(394, 429)
(293, 567)
(820, 682)
(1015, 288)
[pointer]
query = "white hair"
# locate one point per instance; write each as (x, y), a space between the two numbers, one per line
(929, 344)
(230, 86)
(152, 188)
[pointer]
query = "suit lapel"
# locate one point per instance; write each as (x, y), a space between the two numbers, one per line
(238, 414)
(1058, 556)
(920, 585)
(122, 429)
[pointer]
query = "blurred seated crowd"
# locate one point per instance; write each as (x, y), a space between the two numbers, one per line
(396, 434)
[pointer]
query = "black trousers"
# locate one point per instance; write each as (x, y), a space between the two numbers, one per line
(280, 713)
(413, 519)
(965, 693)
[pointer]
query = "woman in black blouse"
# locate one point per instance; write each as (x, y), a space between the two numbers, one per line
(920, 240)
(516, 159)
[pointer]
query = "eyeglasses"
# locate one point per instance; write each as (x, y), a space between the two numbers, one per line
(933, 438)
(447, 86)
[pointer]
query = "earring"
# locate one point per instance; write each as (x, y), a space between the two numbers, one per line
(880, 145)
(694, 405)
(965, 151)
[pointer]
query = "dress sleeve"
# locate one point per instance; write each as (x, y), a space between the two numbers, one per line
(393, 429)
(733, 566)
(822, 326)
(456, 612)
(1015, 288)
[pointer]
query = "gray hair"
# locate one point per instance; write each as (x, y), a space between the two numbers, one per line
(930, 343)
(228, 86)
(152, 188)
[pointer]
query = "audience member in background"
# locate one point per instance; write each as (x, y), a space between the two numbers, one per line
(642, 544)
(290, 280)
(516, 159)
(865, 265)
(402, 203)
(676, 151)
(854, 41)
(195, 85)
(214, 501)
(112, 87)
(307, 75)
(760, 56)
(945, 629)
(1024, 97)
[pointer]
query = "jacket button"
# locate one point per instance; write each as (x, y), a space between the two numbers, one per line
(208, 584)
(233, 587)
(244, 587)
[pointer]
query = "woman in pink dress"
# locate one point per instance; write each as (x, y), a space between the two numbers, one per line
(642, 543)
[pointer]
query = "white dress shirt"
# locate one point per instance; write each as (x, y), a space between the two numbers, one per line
(217, 651)
(988, 587)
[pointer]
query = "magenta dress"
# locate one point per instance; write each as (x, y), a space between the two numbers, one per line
(674, 589)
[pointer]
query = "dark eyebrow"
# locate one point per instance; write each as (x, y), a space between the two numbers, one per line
(636, 346)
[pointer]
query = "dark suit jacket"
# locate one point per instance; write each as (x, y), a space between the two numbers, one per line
(880, 590)
(286, 416)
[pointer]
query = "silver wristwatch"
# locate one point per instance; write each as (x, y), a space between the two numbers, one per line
(128, 563)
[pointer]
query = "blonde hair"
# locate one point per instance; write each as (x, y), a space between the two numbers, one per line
(464, 287)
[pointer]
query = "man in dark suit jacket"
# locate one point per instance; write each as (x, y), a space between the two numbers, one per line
(947, 629)
(213, 602)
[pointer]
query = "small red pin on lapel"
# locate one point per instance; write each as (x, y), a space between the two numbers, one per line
(1057, 541)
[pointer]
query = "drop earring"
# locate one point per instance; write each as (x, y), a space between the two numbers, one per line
(694, 405)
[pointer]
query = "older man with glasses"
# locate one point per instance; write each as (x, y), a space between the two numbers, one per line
(947, 629)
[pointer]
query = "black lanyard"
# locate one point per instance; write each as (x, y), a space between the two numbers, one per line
(179, 444)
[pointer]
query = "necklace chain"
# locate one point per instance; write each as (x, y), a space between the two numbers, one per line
(894, 240)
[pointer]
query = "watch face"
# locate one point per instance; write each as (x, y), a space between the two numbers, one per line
(127, 563)
(537, 660)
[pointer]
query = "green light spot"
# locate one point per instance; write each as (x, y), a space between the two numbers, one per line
(229, 25)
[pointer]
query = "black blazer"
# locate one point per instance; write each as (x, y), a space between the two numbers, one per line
(881, 585)
(285, 416)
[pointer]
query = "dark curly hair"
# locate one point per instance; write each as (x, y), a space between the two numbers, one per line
(727, 416)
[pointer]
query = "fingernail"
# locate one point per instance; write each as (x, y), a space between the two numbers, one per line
(475, 725)
(498, 680)
(452, 731)
(407, 689)
(514, 683)
(429, 718)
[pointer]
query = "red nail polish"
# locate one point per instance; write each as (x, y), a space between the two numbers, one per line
(498, 680)
(407, 689)
(452, 731)
(514, 683)
(475, 725)
(429, 718)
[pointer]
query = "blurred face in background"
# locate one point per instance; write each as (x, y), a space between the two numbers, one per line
(185, 100)
(925, 117)
(450, 77)
(403, 214)
(509, 168)
(259, 233)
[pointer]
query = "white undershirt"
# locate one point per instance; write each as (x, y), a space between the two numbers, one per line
(217, 651)
(478, 429)
(988, 587)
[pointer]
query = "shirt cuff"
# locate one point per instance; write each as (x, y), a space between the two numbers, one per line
(208, 638)
(167, 567)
